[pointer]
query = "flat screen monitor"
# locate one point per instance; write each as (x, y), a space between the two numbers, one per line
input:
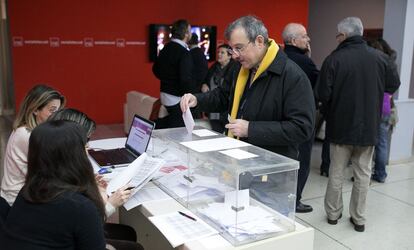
(160, 34)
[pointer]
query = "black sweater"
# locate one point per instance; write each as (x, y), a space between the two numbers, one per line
(70, 222)
(173, 67)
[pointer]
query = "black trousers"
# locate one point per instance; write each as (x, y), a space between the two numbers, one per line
(305, 151)
(175, 117)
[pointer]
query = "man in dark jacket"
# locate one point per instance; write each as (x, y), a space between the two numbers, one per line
(200, 67)
(270, 99)
(297, 48)
(174, 67)
(351, 86)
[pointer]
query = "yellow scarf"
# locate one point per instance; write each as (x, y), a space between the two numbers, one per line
(244, 75)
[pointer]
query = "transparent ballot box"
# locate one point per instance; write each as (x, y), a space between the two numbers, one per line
(245, 192)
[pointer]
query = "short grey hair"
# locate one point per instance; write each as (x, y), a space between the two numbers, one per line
(290, 32)
(351, 26)
(251, 25)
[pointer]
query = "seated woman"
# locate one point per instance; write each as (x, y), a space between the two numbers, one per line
(59, 206)
(40, 102)
(116, 234)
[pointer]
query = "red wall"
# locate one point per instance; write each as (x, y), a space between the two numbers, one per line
(96, 79)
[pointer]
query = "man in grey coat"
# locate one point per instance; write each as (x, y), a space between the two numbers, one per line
(351, 86)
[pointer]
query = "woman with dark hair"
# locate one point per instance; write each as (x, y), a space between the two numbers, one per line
(381, 153)
(40, 102)
(60, 205)
(118, 235)
(217, 76)
(74, 115)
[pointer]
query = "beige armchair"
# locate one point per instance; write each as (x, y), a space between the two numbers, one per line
(143, 105)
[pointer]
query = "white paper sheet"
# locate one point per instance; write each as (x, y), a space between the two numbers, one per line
(203, 132)
(238, 154)
(214, 144)
(126, 175)
(144, 195)
(179, 229)
(188, 120)
(137, 174)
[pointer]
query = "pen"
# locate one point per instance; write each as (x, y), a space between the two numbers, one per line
(128, 188)
(186, 215)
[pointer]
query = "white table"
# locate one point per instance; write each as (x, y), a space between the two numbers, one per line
(150, 237)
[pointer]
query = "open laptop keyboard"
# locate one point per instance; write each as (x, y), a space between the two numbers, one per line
(122, 155)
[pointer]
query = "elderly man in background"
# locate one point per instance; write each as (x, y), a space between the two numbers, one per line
(297, 48)
(351, 86)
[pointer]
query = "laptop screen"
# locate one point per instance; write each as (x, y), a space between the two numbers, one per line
(139, 135)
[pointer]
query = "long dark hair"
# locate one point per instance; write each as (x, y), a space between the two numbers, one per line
(57, 163)
(74, 115)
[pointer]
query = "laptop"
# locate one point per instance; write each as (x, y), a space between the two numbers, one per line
(137, 142)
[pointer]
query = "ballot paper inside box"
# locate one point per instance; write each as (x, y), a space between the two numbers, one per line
(244, 192)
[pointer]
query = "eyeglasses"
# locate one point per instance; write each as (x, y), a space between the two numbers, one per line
(238, 49)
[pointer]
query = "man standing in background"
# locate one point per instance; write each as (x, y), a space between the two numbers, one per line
(173, 67)
(297, 48)
(351, 87)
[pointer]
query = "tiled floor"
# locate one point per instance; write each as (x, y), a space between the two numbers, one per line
(390, 206)
(389, 212)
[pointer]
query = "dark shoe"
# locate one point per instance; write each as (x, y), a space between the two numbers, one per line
(334, 222)
(352, 179)
(325, 173)
(303, 208)
(358, 228)
(377, 179)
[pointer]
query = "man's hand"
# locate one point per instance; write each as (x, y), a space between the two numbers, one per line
(188, 100)
(238, 127)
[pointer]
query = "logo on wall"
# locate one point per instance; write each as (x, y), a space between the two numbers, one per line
(17, 41)
(54, 42)
(120, 43)
(88, 42)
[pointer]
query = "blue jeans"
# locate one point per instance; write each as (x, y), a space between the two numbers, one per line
(381, 150)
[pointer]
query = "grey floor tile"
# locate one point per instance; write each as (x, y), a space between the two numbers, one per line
(401, 190)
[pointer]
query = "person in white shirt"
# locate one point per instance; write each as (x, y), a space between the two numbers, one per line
(40, 102)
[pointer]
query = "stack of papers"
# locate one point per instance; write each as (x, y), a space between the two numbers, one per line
(178, 228)
(201, 187)
(145, 194)
(136, 175)
(252, 220)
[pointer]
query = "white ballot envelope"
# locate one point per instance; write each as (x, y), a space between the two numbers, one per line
(188, 120)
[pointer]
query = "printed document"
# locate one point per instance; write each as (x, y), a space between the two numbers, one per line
(137, 174)
(147, 193)
(178, 228)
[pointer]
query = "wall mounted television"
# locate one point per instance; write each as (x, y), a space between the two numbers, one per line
(160, 34)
